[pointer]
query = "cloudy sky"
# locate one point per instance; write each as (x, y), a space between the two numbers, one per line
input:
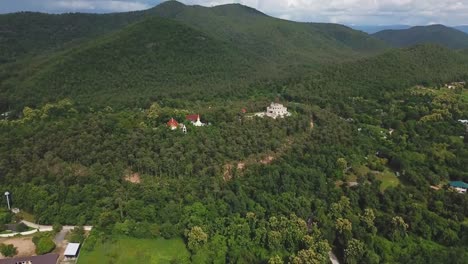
(351, 12)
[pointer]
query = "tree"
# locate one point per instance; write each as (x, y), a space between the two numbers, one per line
(77, 235)
(342, 164)
(8, 250)
(196, 238)
(343, 225)
(309, 256)
(57, 227)
(275, 260)
(354, 251)
(399, 228)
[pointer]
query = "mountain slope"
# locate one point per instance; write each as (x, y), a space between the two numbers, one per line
(436, 34)
(156, 57)
(272, 37)
(462, 28)
(377, 76)
(32, 33)
(227, 49)
(371, 29)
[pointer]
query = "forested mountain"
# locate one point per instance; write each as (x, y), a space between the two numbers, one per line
(371, 29)
(155, 58)
(225, 48)
(388, 72)
(23, 33)
(435, 34)
(360, 167)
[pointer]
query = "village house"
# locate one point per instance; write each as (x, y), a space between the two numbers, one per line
(275, 110)
(459, 186)
(42, 259)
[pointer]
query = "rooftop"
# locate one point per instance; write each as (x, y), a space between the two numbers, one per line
(459, 184)
(43, 259)
(72, 249)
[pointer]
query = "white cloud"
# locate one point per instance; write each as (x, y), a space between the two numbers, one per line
(359, 11)
(371, 12)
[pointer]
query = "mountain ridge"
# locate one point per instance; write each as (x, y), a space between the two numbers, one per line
(436, 34)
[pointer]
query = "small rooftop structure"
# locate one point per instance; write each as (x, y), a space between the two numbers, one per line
(459, 186)
(42, 259)
(172, 124)
(195, 119)
(72, 250)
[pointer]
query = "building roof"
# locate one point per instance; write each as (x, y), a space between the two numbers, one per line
(459, 184)
(192, 118)
(72, 249)
(42, 259)
(172, 123)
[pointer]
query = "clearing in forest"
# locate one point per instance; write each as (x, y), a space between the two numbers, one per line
(133, 177)
(127, 250)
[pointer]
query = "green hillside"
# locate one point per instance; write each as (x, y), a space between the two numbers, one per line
(150, 59)
(33, 33)
(435, 34)
(377, 76)
(172, 50)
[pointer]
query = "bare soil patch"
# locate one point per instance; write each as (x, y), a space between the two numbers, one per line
(133, 178)
(24, 245)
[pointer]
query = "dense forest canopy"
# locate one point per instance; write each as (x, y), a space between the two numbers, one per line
(360, 168)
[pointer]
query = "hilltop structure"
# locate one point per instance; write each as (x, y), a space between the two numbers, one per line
(195, 119)
(275, 110)
(173, 124)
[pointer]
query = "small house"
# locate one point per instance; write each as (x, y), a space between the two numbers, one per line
(459, 186)
(42, 259)
(72, 250)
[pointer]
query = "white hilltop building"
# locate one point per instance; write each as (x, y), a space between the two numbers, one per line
(274, 111)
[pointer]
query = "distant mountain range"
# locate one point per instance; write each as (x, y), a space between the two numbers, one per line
(371, 29)
(434, 34)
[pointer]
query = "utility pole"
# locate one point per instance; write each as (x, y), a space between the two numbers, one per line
(7, 194)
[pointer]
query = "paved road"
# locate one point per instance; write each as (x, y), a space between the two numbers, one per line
(60, 236)
(50, 228)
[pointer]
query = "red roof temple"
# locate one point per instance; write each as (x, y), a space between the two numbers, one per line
(172, 124)
(192, 118)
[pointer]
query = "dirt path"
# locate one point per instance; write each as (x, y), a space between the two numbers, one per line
(263, 158)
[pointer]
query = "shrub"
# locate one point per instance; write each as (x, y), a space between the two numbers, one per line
(77, 235)
(57, 227)
(8, 250)
(45, 245)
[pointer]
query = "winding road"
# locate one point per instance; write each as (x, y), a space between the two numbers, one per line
(44, 228)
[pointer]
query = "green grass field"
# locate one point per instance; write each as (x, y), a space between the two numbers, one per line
(128, 250)
(388, 179)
